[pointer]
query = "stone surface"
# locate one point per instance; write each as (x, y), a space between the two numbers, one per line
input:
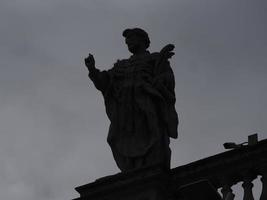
(145, 184)
(140, 103)
(221, 170)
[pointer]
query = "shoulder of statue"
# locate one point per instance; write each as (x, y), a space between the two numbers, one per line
(155, 55)
(119, 64)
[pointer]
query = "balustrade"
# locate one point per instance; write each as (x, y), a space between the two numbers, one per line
(224, 170)
(218, 173)
(264, 184)
(227, 192)
(247, 186)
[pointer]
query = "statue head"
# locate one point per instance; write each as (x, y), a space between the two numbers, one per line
(136, 39)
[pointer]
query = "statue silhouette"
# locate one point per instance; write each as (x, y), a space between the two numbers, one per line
(140, 103)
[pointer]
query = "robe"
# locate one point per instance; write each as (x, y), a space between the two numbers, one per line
(140, 104)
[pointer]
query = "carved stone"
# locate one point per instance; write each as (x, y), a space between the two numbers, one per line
(221, 170)
(139, 98)
(227, 192)
(248, 185)
(146, 184)
(264, 183)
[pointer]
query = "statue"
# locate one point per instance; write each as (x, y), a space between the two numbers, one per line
(139, 98)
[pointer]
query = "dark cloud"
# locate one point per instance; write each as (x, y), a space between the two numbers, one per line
(53, 122)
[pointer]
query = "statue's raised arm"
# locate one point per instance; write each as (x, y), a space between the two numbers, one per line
(100, 79)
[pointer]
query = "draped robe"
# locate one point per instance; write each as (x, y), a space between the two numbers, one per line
(139, 98)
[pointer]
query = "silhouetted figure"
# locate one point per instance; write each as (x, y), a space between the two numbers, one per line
(139, 98)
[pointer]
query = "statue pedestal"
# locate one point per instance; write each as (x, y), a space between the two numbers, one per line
(153, 183)
(145, 184)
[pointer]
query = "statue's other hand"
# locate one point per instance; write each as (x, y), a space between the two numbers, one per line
(90, 62)
(167, 51)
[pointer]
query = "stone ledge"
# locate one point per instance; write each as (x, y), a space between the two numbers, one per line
(148, 183)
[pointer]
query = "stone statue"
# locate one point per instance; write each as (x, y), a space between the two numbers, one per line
(139, 98)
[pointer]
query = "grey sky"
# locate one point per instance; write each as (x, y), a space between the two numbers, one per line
(52, 122)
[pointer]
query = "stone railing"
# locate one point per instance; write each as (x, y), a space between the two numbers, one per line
(227, 169)
(202, 178)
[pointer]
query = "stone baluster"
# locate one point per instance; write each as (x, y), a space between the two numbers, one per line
(227, 192)
(247, 186)
(229, 196)
(264, 186)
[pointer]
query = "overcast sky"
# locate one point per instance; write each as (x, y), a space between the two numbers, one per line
(53, 125)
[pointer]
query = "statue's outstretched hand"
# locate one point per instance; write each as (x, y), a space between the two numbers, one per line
(167, 51)
(90, 63)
